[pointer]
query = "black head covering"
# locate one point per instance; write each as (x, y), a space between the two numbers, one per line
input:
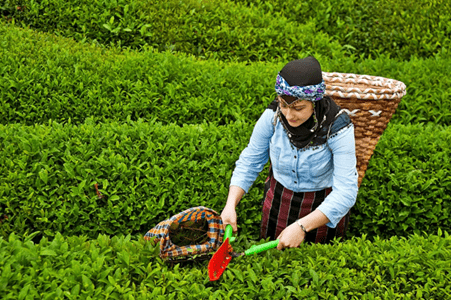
(304, 72)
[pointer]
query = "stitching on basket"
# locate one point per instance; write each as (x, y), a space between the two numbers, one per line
(351, 113)
(375, 113)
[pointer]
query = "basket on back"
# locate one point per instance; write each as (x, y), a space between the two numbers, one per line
(370, 101)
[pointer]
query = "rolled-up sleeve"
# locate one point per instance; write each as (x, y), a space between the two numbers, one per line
(254, 157)
(345, 177)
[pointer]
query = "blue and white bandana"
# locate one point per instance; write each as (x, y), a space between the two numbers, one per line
(309, 92)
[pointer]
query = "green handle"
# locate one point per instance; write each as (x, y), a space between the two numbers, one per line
(228, 231)
(262, 247)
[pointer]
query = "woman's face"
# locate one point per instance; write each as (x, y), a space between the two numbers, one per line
(297, 113)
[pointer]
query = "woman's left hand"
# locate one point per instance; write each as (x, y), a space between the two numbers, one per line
(291, 237)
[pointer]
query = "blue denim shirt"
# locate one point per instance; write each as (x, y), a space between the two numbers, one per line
(305, 170)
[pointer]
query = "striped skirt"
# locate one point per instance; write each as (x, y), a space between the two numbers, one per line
(282, 207)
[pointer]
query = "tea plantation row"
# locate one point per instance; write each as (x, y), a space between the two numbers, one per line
(123, 267)
(43, 77)
(245, 30)
(148, 172)
(401, 29)
(157, 128)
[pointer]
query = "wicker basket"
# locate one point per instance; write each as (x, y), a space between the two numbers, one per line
(370, 102)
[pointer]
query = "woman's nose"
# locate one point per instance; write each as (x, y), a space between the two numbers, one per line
(288, 113)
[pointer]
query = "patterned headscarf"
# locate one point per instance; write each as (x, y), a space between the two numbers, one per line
(309, 92)
(303, 80)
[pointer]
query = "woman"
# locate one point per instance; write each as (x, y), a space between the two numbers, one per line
(312, 182)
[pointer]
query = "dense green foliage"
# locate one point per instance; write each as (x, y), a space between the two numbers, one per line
(148, 172)
(152, 102)
(408, 183)
(127, 268)
(401, 29)
(43, 78)
(208, 29)
(248, 30)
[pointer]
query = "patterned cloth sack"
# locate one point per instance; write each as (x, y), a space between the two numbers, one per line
(197, 230)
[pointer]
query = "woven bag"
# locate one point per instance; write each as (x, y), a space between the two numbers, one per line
(197, 230)
(370, 101)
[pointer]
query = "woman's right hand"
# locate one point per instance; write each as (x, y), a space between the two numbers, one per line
(228, 216)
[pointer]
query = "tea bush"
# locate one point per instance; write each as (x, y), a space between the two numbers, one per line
(408, 186)
(148, 172)
(124, 267)
(248, 30)
(112, 120)
(207, 29)
(399, 29)
(43, 77)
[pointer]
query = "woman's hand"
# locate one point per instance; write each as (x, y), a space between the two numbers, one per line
(228, 216)
(291, 237)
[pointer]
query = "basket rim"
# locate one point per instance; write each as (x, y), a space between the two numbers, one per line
(378, 88)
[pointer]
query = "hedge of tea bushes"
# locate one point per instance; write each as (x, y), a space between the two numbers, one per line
(407, 187)
(125, 267)
(401, 29)
(147, 172)
(248, 30)
(208, 29)
(44, 77)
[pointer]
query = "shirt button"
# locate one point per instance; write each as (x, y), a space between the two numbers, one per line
(295, 156)
(293, 171)
(295, 182)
